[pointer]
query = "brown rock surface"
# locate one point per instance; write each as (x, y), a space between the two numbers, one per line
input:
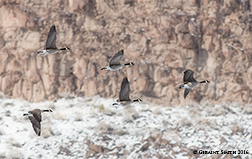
(162, 38)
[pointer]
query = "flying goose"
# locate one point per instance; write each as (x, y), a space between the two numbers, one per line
(124, 94)
(115, 64)
(35, 118)
(50, 47)
(190, 82)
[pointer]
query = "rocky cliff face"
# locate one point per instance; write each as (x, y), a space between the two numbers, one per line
(162, 38)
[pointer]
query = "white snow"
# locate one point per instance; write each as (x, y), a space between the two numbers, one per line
(74, 123)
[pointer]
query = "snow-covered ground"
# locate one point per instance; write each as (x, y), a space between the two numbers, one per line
(84, 127)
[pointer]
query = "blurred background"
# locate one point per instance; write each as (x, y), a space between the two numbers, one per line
(163, 38)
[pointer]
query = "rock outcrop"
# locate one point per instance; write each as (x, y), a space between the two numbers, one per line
(162, 38)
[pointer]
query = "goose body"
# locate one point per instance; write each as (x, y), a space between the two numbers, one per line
(115, 64)
(124, 94)
(190, 82)
(50, 47)
(35, 118)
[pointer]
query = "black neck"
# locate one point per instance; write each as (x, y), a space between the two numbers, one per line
(131, 63)
(204, 81)
(47, 110)
(26, 114)
(65, 48)
(137, 100)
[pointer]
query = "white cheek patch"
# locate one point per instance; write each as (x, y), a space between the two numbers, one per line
(43, 53)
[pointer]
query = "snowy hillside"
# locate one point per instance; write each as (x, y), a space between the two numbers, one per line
(84, 127)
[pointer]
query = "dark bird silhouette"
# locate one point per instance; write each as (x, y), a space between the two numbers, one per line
(115, 64)
(50, 47)
(190, 82)
(124, 94)
(35, 118)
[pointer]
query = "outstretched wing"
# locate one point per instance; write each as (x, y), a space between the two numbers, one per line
(116, 58)
(186, 92)
(125, 90)
(36, 114)
(188, 76)
(35, 124)
(51, 38)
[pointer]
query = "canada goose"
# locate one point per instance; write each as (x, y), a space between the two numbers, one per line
(50, 47)
(35, 118)
(193, 28)
(190, 82)
(114, 63)
(124, 94)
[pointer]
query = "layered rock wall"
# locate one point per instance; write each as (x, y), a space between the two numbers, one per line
(162, 38)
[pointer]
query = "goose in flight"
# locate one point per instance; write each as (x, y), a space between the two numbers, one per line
(124, 94)
(190, 82)
(115, 64)
(50, 47)
(35, 118)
